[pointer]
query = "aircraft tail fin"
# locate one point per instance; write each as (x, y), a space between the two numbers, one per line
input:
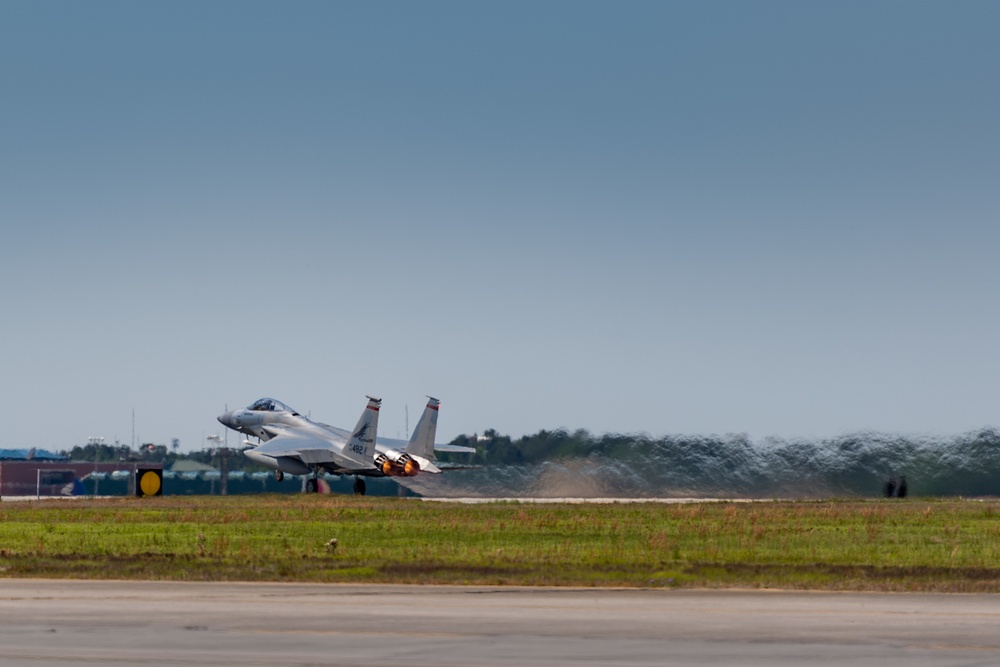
(422, 441)
(361, 447)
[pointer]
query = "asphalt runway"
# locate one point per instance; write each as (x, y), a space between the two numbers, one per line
(45, 622)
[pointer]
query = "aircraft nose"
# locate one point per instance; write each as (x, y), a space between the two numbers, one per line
(225, 418)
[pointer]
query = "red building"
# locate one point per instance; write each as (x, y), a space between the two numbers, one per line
(68, 478)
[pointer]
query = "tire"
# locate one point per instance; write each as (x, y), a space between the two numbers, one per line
(359, 486)
(279, 475)
(311, 486)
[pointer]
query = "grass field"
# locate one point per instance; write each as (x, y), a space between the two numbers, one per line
(911, 545)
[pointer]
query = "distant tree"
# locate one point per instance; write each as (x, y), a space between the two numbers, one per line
(98, 453)
(153, 453)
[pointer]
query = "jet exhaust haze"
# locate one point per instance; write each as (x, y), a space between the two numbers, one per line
(857, 464)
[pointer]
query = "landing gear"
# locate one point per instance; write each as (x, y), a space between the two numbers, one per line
(359, 486)
(312, 483)
(278, 475)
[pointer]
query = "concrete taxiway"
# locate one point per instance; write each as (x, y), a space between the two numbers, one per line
(44, 622)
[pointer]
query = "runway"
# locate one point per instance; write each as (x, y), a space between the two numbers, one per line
(45, 622)
(590, 501)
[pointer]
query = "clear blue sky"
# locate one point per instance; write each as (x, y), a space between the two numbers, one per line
(777, 218)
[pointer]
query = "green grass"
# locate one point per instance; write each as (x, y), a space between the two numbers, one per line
(927, 545)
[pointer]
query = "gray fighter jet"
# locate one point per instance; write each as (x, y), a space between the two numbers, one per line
(292, 443)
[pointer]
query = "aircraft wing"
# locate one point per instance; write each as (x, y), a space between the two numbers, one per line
(440, 447)
(393, 443)
(305, 447)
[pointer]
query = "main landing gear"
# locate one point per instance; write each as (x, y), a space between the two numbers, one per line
(312, 484)
(359, 486)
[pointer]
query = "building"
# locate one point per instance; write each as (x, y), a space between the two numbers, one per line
(57, 476)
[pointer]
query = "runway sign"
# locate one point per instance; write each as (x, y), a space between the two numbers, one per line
(149, 482)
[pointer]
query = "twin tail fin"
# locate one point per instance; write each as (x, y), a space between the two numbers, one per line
(422, 441)
(360, 448)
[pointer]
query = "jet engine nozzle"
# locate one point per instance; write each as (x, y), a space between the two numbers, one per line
(394, 463)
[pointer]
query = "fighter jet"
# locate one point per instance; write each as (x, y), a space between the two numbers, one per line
(296, 445)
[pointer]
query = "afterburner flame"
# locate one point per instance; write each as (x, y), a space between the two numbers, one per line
(394, 463)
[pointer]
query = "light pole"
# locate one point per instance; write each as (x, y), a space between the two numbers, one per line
(223, 453)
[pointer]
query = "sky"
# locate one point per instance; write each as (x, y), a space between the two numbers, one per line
(771, 218)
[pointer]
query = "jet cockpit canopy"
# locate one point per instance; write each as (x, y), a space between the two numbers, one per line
(270, 405)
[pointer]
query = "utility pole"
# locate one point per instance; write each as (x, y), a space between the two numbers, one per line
(223, 471)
